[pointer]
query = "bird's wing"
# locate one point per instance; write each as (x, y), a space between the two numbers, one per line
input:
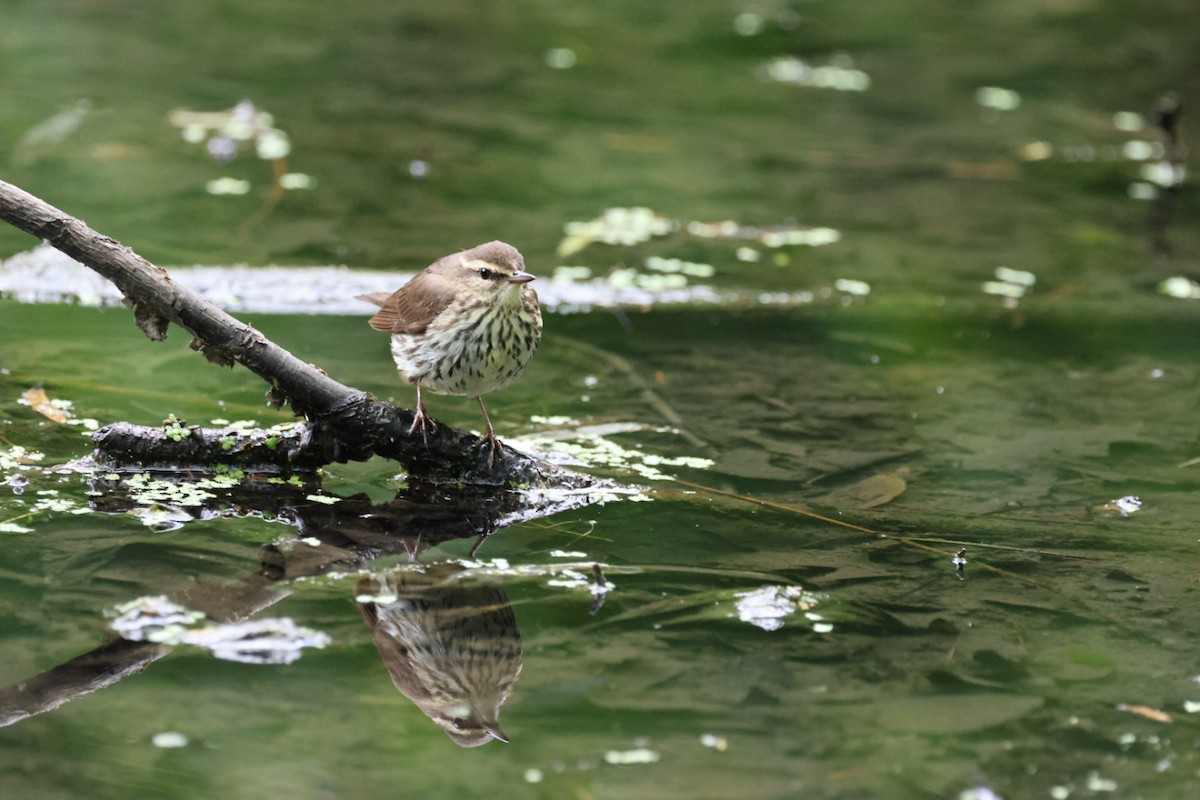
(413, 306)
(374, 298)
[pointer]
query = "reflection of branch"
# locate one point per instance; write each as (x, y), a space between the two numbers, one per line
(347, 423)
(120, 658)
(343, 537)
(80, 676)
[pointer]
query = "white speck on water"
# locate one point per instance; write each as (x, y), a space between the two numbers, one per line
(638, 755)
(1163, 173)
(748, 23)
(222, 186)
(1128, 121)
(852, 287)
(1137, 150)
(169, 740)
(1036, 151)
(293, 181)
(997, 98)
(561, 58)
(1017, 276)
(1127, 504)
(1142, 191)
(979, 793)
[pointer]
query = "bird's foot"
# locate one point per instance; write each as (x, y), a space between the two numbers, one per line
(421, 422)
(491, 443)
(489, 439)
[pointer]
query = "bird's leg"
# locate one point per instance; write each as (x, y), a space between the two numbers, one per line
(421, 420)
(489, 436)
(479, 540)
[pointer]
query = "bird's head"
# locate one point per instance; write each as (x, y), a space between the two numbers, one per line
(492, 268)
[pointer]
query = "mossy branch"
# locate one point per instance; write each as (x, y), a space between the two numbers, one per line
(342, 423)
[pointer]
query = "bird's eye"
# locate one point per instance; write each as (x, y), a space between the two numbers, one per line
(458, 721)
(485, 273)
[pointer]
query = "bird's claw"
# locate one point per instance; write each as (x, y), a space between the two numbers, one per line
(423, 423)
(493, 445)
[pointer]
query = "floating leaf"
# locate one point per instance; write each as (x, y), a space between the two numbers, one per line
(54, 410)
(1147, 712)
(954, 714)
(871, 492)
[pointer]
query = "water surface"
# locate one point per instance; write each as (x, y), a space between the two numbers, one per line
(746, 647)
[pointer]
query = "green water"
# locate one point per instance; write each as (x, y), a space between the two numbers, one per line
(1007, 432)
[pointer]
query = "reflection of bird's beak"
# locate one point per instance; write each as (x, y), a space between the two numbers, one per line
(519, 276)
(494, 729)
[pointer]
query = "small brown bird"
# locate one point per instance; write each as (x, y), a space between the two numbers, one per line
(465, 326)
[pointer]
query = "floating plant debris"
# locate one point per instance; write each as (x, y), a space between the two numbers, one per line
(1011, 284)
(271, 640)
(1129, 504)
(560, 58)
(168, 740)
(225, 133)
(630, 226)
(593, 445)
(767, 607)
(1180, 287)
(638, 755)
(46, 275)
(997, 98)
(840, 75)
(619, 226)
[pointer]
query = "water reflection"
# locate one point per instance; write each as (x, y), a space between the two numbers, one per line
(451, 645)
(453, 648)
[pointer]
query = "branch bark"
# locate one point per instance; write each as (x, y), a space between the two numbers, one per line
(341, 423)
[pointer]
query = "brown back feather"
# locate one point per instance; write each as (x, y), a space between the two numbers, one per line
(414, 305)
(374, 298)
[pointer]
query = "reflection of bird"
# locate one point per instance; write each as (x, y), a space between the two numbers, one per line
(453, 649)
(467, 325)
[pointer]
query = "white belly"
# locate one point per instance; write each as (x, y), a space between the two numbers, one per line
(485, 357)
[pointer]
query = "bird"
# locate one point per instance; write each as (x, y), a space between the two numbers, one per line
(467, 325)
(452, 646)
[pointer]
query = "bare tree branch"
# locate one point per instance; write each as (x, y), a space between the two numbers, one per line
(342, 423)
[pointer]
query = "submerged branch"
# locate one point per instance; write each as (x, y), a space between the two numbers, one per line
(342, 423)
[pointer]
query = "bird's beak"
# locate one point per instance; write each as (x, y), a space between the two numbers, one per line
(520, 276)
(494, 728)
